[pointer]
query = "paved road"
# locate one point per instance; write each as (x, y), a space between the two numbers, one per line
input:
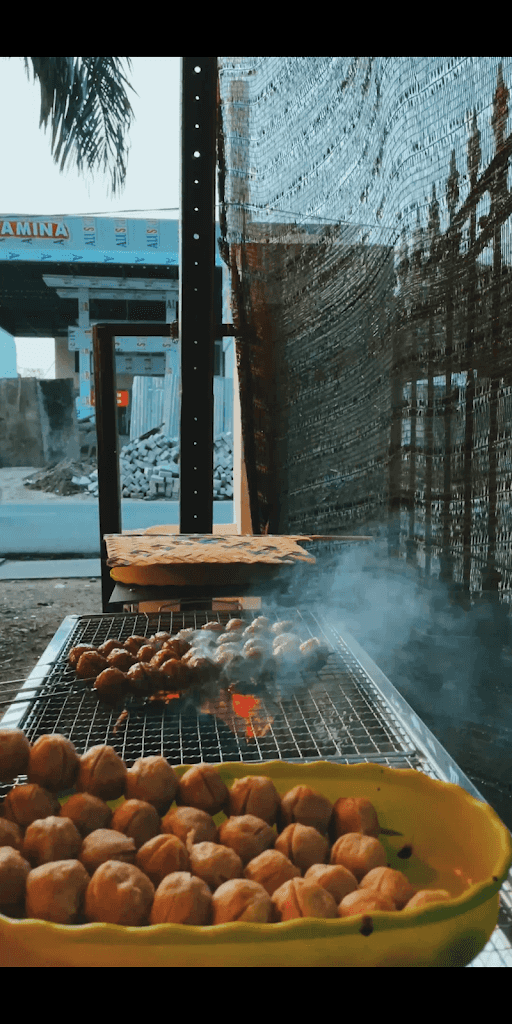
(73, 529)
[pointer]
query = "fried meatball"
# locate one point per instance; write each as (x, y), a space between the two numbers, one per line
(185, 822)
(14, 754)
(161, 856)
(154, 780)
(241, 900)
(271, 869)
(232, 640)
(304, 805)
(358, 853)
(90, 665)
(303, 845)
(302, 898)
(201, 786)
(25, 804)
(256, 627)
(182, 899)
(138, 820)
(257, 795)
(391, 884)
(55, 892)
(102, 773)
(111, 685)
(214, 864)
(364, 902)
(339, 881)
(53, 838)
(53, 764)
(119, 893)
(106, 844)
(354, 814)
(247, 835)
(424, 897)
(87, 812)
(10, 834)
(14, 871)
(261, 622)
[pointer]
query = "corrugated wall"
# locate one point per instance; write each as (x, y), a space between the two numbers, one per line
(156, 401)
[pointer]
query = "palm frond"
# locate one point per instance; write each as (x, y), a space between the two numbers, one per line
(87, 103)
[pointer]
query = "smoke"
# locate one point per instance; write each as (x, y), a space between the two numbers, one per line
(444, 658)
(448, 661)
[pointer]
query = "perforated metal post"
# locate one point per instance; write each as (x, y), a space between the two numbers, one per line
(196, 305)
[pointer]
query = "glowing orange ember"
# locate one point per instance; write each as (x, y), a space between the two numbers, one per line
(240, 712)
(165, 697)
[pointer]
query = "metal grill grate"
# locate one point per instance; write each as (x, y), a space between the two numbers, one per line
(348, 712)
(330, 716)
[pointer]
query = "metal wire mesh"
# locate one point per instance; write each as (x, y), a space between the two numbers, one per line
(366, 225)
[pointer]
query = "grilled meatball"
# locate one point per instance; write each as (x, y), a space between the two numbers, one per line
(90, 664)
(134, 643)
(108, 646)
(176, 648)
(281, 627)
(121, 659)
(215, 627)
(141, 680)
(158, 659)
(234, 624)
(146, 652)
(76, 653)
(175, 673)
(230, 638)
(111, 685)
(202, 669)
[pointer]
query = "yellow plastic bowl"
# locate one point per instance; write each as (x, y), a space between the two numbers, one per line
(455, 842)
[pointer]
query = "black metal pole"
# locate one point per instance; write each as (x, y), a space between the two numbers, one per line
(109, 484)
(196, 291)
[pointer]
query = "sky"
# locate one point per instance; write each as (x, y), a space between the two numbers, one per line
(32, 184)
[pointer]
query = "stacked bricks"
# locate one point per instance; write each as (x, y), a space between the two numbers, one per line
(149, 468)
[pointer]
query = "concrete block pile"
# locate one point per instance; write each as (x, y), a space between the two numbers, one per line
(149, 468)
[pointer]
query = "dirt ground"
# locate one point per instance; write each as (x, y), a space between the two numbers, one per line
(13, 489)
(31, 612)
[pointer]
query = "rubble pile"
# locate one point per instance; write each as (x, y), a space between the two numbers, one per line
(65, 477)
(149, 469)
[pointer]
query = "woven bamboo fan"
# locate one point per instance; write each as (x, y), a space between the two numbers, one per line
(146, 558)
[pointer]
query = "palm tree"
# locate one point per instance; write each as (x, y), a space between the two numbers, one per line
(86, 100)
